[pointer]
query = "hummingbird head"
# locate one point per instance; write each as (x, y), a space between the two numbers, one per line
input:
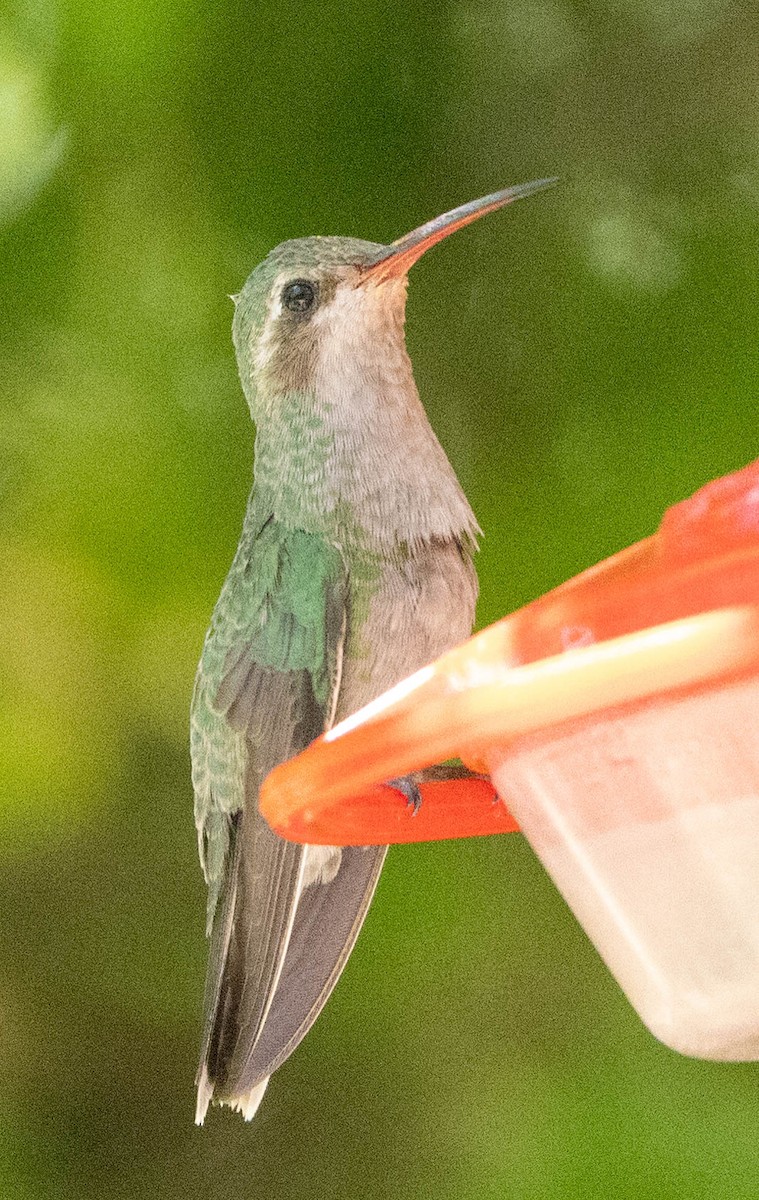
(304, 307)
(316, 306)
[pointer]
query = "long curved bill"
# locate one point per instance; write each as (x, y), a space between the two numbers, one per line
(396, 260)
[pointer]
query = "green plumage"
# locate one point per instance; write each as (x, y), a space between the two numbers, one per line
(280, 610)
(354, 570)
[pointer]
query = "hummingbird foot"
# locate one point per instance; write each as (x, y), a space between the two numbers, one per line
(409, 788)
(408, 785)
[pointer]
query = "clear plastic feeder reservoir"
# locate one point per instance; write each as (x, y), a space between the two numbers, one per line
(658, 857)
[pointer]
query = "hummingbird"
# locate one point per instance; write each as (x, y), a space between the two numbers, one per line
(354, 569)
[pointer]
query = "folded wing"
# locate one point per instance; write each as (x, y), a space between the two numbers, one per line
(283, 918)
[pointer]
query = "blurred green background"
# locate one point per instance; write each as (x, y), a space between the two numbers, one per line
(588, 358)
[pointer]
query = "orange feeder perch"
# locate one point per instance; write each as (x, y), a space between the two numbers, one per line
(618, 717)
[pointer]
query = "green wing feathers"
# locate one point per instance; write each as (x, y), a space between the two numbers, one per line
(266, 675)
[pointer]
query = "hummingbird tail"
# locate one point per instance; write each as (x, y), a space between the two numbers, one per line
(277, 963)
(205, 1092)
(246, 1103)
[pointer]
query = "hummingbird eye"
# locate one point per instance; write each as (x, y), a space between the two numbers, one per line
(299, 296)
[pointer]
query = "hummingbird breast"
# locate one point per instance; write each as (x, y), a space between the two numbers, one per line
(403, 614)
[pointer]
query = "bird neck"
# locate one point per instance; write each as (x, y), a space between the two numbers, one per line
(355, 459)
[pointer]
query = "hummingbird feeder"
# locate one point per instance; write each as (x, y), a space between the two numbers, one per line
(618, 718)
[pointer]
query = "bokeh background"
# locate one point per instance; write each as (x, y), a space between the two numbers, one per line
(588, 358)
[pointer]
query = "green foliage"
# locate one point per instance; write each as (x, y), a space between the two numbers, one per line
(588, 358)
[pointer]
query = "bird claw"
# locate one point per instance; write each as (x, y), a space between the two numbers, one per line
(408, 788)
